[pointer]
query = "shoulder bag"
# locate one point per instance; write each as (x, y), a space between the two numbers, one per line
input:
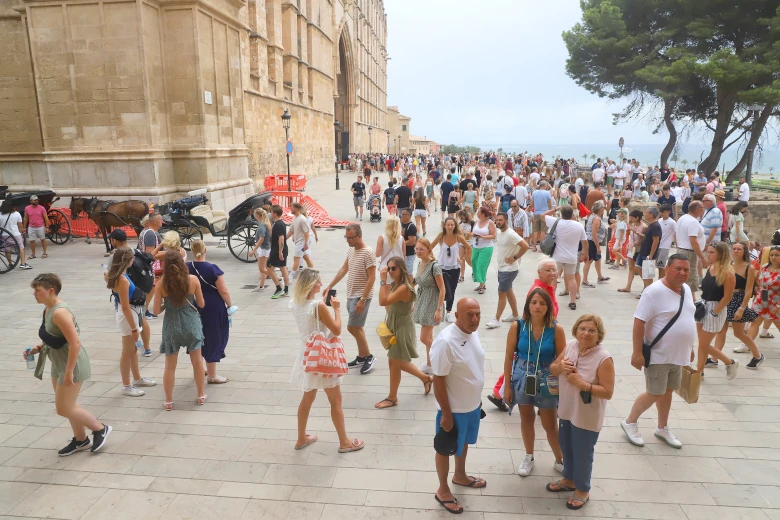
(548, 244)
(324, 356)
(647, 348)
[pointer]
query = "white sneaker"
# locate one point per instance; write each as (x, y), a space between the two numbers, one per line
(632, 432)
(668, 437)
(493, 324)
(450, 317)
(740, 349)
(144, 382)
(558, 466)
(731, 370)
(132, 391)
(526, 466)
(426, 369)
(510, 319)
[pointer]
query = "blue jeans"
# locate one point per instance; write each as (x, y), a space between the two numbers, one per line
(577, 446)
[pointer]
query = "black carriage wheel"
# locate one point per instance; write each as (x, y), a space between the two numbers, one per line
(188, 233)
(242, 241)
(59, 227)
(9, 251)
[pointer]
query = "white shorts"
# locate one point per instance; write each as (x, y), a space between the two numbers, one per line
(712, 323)
(121, 321)
(568, 269)
(36, 232)
(299, 252)
(263, 253)
(420, 213)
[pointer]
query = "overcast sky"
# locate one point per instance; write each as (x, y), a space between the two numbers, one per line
(493, 71)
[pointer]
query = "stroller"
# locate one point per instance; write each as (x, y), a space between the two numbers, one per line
(374, 207)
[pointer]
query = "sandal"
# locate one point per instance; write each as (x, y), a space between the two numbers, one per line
(168, 406)
(202, 399)
(310, 439)
(573, 306)
(428, 385)
(392, 403)
(481, 290)
(768, 336)
(588, 284)
(32, 256)
(557, 483)
(563, 293)
(623, 290)
(604, 279)
(461, 279)
(476, 483)
(454, 502)
(217, 380)
(357, 445)
(499, 403)
(582, 502)
(44, 255)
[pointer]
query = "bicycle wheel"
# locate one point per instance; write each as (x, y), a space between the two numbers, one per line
(10, 253)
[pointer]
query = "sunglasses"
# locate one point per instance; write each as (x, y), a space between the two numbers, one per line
(350, 238)
(392, 268)
(449, 252)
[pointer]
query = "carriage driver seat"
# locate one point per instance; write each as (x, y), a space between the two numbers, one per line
(217, 218)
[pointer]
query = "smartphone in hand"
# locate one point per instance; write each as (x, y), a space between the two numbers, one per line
(331, 294)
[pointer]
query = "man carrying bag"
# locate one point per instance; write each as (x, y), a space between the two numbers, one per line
(663, 338)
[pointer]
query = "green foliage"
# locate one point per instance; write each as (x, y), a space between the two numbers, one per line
(452, 148)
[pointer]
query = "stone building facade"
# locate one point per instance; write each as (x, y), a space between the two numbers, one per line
(149, 99)
(400, 127)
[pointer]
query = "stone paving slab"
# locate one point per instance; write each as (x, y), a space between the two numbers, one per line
(233, 458)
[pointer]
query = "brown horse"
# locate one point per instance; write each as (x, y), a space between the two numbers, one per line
(107, 214)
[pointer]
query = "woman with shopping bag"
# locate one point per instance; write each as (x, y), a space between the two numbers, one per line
(319, 331)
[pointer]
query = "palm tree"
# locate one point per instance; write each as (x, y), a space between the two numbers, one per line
(593, 157)
(675, 158)
(585, 157)
(695, 164)
(684, 162)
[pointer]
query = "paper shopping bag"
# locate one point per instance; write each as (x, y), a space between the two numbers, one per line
(689, 387)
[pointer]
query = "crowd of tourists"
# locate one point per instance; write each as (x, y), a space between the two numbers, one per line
(490, 206)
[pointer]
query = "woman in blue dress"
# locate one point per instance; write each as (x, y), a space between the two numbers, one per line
(214, 315)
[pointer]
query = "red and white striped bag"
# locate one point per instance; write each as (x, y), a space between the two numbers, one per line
(324, 356)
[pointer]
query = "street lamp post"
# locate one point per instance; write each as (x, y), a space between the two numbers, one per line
(369, 140)
(286, 123)
(336, 141)
(399, 145)
(754, 110)
(388, 142)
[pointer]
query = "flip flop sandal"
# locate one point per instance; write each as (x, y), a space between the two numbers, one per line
(202, 399)
(768, 336)
(218, 380)
(454, 501)
(563, 293)
(356, 445)
(168, 406)
(623, 290)
(32, 256)
(309, 441)
(44, 255)
(392, 403)
(604, 279)
(475, 483)
(582, 502)
(499, 403)
(560, 486)
(588, 284)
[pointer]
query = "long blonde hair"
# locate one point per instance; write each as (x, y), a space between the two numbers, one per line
(723, 267)
(262, 217)
(304, 283)
(119, 263)
(392, 230)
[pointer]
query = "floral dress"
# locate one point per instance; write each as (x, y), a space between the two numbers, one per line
(769, 286)
(427, 294)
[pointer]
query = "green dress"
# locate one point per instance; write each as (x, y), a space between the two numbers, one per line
(181, 327)
(59, 357)
(401, 322)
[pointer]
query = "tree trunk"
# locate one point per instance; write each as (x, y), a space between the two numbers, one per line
(669, 106)
(755, 135)
(726, 104)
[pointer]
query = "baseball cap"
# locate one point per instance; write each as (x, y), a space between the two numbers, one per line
(446, 442)
(33, 197)
(118, 234)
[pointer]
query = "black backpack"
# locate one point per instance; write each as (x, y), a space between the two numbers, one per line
(141, 272)
(584, 193)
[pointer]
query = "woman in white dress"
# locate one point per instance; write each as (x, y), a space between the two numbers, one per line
(391, 243)
(311, 315)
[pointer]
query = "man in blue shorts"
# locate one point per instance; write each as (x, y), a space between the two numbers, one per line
(458, 363)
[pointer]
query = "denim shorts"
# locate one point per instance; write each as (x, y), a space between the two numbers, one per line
(519, 371)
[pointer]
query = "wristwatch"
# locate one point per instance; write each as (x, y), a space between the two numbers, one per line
(382, 283)
(363, 299)
(714, 313)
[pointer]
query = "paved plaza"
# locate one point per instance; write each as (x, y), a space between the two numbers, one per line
(234, 459)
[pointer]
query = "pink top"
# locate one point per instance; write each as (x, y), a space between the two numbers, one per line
(570, 406)
(35, 215)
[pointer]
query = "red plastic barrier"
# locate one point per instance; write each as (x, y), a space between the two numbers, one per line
(279, 182)
(319, 215)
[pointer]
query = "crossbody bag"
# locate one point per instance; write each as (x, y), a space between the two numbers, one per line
(647, 348)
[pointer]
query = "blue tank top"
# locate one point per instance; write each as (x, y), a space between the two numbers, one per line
(546, 343)
(130, 292)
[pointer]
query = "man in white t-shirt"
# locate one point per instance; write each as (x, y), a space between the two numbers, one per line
(458, 363)
(610, 170)
(689, 236)
(521, 193)
(534, 177)
(510, 247)
(299, 231)
(569, 235)
(659, 304)
(668, 230)
(599, 173)
(744, 190)
(14, 224)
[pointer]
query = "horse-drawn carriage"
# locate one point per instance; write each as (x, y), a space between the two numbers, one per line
(191, 215)
(59, 230)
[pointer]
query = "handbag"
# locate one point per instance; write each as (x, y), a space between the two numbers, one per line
(324, 356)
(690, 384)
(386, 336)
(50, 340)
(700, 312)
(647, 348)
(548, 244)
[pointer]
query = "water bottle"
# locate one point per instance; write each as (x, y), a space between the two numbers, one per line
(30, 358)
(232, 310)
(105, 268)
(230, 322)
(139, 344)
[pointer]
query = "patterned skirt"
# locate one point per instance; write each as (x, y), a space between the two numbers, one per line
(748, 315)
